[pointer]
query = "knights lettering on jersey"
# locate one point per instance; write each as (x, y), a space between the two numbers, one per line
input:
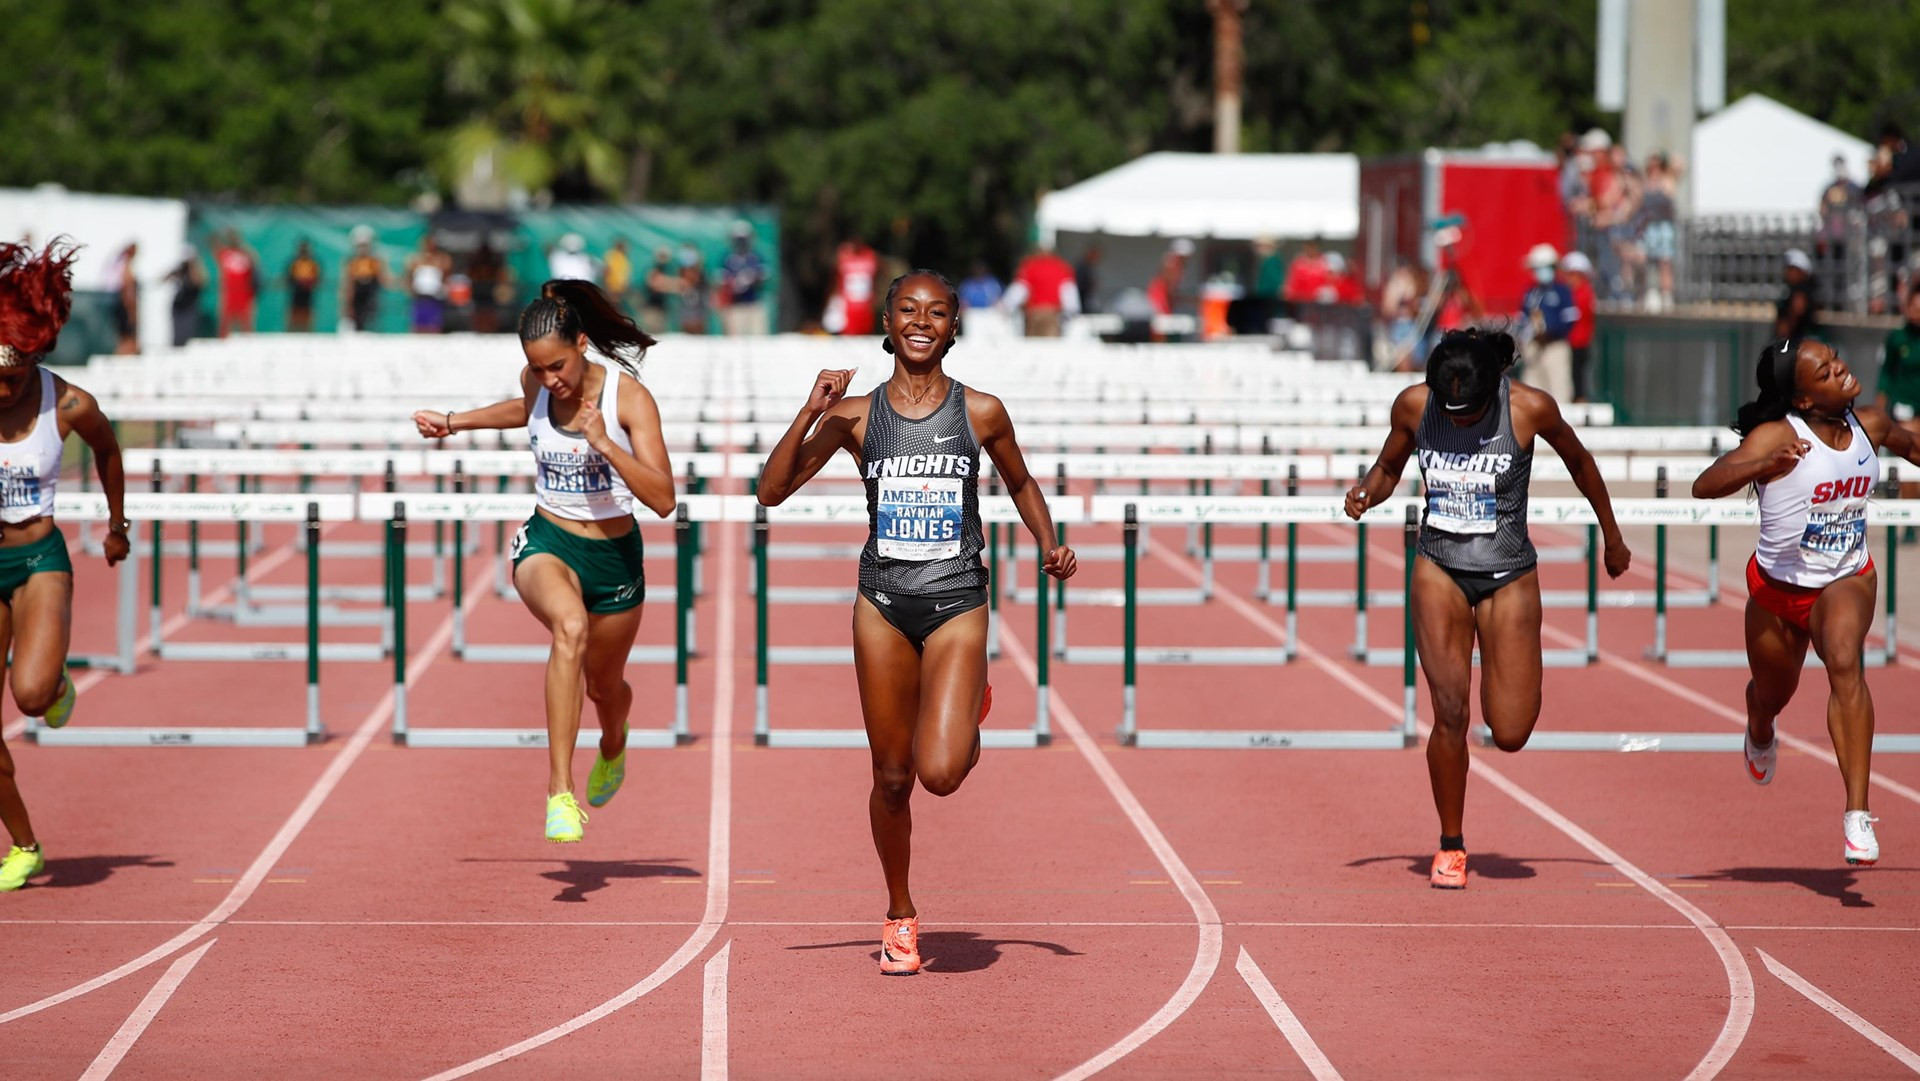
(1476, 463)
(921, 465)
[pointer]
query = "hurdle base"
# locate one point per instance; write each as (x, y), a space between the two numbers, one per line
(1172, 739)
(168, 737)
(1394, 657)
(505, 653)
(811, 595)
(810, 655)
(492, 738)
(1737, 658)
(1117, 598)
(855, 738)
(1179, 655)
(268, 651)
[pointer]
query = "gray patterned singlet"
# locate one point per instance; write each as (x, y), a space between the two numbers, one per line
(923, 499)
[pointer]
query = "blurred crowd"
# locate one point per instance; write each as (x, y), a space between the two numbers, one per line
(1624, 217)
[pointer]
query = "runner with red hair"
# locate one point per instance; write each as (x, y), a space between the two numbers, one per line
(37, 411)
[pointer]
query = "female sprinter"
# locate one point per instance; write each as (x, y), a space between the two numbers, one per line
(1475, 577)
(37, 411)
(576, 563)
(1813, 458)
(920, 620)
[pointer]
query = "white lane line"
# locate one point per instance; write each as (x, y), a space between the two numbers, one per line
(720, 835)
(1357, 925)
(269, 857)
(1739, 977)
(1206, 957)
(143, 1015)
(713, 1018)
(1290, 1026)
(143, 643)
(1901, 1052)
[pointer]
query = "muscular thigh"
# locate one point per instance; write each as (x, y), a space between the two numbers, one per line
(953, 677)
(887, 668)
(549, 588)
(1442, 631)
(42, 624)
(1842, 615)
(1508, 624)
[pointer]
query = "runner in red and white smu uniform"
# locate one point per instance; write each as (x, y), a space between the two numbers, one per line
(1814, 460)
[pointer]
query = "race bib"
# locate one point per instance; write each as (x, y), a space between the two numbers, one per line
(19, 487)
(918, 518)
(574, 473)
(1461, 501)
(1833, 536)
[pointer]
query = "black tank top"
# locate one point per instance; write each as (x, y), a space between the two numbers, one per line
(1476, 477)
(923, 499)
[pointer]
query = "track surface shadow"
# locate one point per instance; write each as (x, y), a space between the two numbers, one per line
(1481, 864)
(1839, 883)
(582, 877)
(78, 871)
(952, 951)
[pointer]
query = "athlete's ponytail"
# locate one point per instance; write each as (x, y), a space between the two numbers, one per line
(893, 290)
(1464, 370)
(569, 308)
(1775, 374)
(36, 296)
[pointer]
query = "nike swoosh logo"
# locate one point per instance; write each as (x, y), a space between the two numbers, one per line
(944, 607)
(944, 438)
(1864, 461)
(1488, 439)
(1497, 577)
(1855, 847)
(1758, 773)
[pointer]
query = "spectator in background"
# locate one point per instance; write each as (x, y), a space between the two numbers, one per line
(1400, 299)
(850, 307)
(695, 307)
(360, 286)
(303, 278)
(1793, 316)
(492, 287)
(189, 280)
(1898, 389)
(1577, 271)
(1549, 316)
(658, 288)
(1307, 276)
(569, 259)
(1658, 231)
(744, 275)
(427, 280)
(126, 301)
(980, 290)
(1043, 287)
(1164, 291)
(616, 273)
(1616, 214)
(1086, 278)
(1269, 279)
(239, 283)
(1342, 287)
(1840, 200)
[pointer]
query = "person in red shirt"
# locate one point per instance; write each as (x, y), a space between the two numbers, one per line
(239, 283)
(854, 268)
(1342, 287)
(1044, 285)
(1579, 271)
(1307, 276)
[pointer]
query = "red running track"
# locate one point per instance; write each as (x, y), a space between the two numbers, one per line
(366, 909)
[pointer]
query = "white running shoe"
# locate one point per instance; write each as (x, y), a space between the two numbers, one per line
(1862, 846)
(1761, 760)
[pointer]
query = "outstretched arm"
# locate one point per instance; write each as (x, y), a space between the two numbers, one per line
(995, 430)
(511, 413)
(82, 415)
(1901, 440)
(1384, 477)
(1551, 426)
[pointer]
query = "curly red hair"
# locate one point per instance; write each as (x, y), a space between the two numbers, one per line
(36, 294)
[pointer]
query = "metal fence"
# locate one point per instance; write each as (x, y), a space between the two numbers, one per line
(1862, 258)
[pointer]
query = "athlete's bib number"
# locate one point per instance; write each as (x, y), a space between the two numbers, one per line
(1461, 501)
(1831, 537)
(918, 518)
(19, 487)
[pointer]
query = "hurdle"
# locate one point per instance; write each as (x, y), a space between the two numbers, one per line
(86, 507)
(397, 509)
(1737, 658)
(1694, 512)
(1131, 511)
(158, 507)
(840, 509)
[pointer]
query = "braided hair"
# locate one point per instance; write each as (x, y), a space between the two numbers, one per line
(1464, 371)
(1775, 374)
(36, 296)
(570, 308)
(893, 290)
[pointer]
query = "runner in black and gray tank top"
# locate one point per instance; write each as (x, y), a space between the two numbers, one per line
(920, 621)
(1476, 477)
(1473, 583)
(923, 499)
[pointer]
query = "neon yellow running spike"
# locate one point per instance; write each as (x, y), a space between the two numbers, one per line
(62, 709)
(566, 822)
(605, 779)
(19, 866)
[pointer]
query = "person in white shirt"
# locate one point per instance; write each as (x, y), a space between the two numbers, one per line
(1814, 460)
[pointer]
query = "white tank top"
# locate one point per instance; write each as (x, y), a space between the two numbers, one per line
(30, 468)
(1813, 521)
(426, 280)
(573, 480)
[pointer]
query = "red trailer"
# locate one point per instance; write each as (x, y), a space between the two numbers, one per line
(1506, 200)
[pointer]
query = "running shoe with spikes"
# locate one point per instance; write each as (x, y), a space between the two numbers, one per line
(606, 777)
(20, 865)
(1761, 760)
(1863, 848)
(900, 947)
(62, 709)
(1449, 870)
(566, 822)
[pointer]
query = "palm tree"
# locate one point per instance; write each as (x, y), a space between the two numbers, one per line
(540, 75)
